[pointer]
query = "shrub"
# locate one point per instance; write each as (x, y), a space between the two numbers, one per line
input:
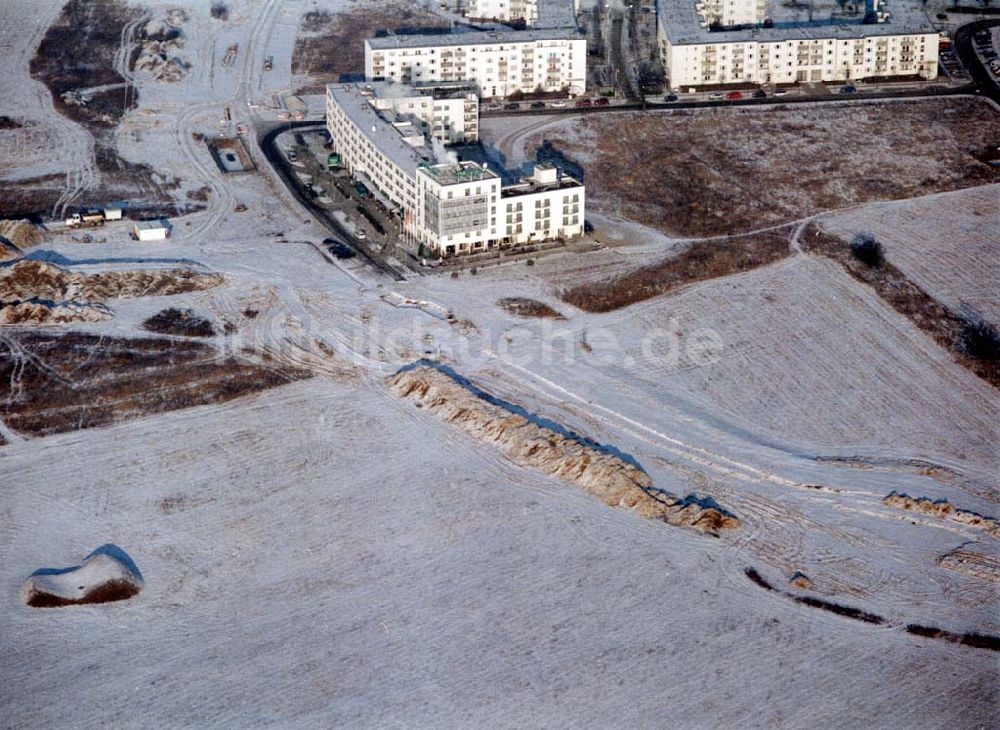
(530, 262)
(981, 339)
(220, 11)
(866, 249)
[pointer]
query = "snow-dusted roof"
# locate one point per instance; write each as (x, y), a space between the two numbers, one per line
(486, 37)
(681, 23)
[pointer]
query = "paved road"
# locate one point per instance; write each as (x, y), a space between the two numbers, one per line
(267, 142)
(967, 55)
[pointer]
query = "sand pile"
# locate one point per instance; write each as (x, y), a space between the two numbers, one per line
(58, 295)
(107, 574)
(617, 482)
(981, 565)
(15, 237)
(158, 50)
(943, 509)
(44, 313)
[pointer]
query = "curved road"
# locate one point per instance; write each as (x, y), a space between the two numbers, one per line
(967, 55)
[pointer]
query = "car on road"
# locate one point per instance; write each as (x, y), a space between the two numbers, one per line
(734, 95)
(670, 97)
(780, 92)
(584, 103)
(716, 96)
(559, 104)
(847, 89)
(538, 105)
(759, 94)
(341, 250)
(603, 101)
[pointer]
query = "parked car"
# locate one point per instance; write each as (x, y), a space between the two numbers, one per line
(759, 94)
(716, 96)
(493, 106)
(538, 105)
(584, 103)
(941, 16)
(734, 95)
(360, 233)
(780, 92)
(293, 155)
(512, 106)
(670, 97)
(603, 101)
(847, 89)
(341, 250)
(559, 104)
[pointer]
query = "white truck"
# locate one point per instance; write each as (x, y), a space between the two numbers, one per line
(85, 220)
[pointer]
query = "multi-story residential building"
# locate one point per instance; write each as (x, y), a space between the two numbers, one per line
(500, 63)
(731, 12)
(447, 111)
(903, 44)
(446, 206)
(503, 10)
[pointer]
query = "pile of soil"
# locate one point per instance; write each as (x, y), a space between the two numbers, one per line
(16, 236)
(181, 322)
(107, 574)
(944, 509)
(616, 481)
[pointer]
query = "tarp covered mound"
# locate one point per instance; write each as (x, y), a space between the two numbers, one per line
(107, 574)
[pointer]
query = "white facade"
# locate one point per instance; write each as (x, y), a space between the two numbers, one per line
(504, 10)
(450, 114)
(732, 12)
(785, 62)
(450, 208)
(499, 63)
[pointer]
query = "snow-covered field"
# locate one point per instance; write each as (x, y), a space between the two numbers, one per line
(327, 554)
(943, 243)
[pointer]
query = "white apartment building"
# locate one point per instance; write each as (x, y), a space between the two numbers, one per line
(732, 12)
(503, 10)
(696, 56)
(448, 207)
(498, 62)
(448, 112)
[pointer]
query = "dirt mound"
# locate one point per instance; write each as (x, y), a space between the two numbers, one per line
(37, 279)
(617, 481)
(107, 574)
(943, 509)
(182, 322)
(980, 565)
(801, 581)
(9, 252)
(524, 307)
(46, 313)
(23, 234)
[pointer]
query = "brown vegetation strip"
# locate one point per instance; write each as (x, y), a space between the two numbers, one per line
(702, 261)
(339, 50)
(524, 307)
(949, 329)
(51, 382)
(180, 322)
(698, 173)
(980, 641)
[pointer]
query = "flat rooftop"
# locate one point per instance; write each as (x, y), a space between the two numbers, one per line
(681, 23)
(459, 172)
(555, 14)
(527, 186)
(475, 38)
(354, 99)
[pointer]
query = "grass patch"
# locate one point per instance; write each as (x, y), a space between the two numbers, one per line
(702, 261)
(973, 342)
(524, 307)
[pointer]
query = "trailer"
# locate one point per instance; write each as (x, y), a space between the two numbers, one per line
(151, 231)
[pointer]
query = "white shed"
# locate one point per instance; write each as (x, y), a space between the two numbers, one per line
(112, 214)
(151, 231)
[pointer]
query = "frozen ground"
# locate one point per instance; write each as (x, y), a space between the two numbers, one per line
(327, 554)
(942, 243)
